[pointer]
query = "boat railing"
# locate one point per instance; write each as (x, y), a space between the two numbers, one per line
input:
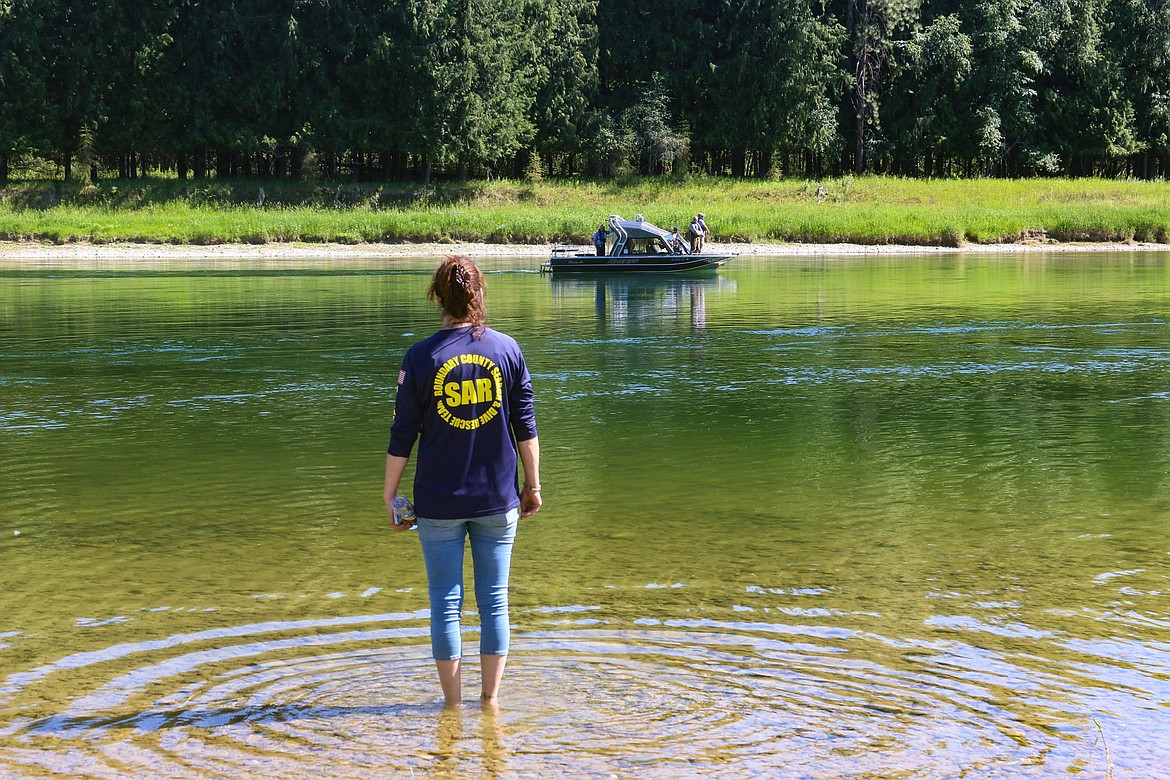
(622, 236)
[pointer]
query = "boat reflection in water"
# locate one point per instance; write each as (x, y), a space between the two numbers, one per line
(627, 301)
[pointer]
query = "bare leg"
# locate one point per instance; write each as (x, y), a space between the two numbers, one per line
(493, 672)
(449, 679)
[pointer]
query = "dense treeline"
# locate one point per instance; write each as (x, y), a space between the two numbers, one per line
(410, 89)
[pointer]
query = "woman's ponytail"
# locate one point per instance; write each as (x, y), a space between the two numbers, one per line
(458, 286)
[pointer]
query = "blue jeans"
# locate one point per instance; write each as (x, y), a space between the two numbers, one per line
(491, 558)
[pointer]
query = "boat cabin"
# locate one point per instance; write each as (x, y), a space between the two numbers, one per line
(638, 237)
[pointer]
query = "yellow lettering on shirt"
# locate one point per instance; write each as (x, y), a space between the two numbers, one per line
(467, 392)
(453, 396)
(441, 374)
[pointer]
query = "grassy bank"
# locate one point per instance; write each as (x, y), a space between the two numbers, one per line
(871, 210)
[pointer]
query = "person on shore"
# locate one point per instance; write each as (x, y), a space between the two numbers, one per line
(465, 395)
(695, 234)
(599, 240)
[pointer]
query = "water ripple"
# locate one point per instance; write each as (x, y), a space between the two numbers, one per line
(662, 698)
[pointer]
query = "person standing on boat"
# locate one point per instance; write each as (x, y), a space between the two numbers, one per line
(703, 230)
(695, 233)
(599, 240)
(465, 395)
(676, 242)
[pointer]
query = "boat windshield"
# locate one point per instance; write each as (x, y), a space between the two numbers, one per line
(610, 239)
(646, 246)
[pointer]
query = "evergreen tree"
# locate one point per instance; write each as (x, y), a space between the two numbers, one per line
(773, 82)
(872, 27)
(134, 38)
(473, 71)
(73, 45)
(565, 73)
(1082, 96)
(22, 82)
(1137, 35)
(927, 112)
(1002, 86)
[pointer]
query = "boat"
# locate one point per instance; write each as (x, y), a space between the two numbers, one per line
(635, 246)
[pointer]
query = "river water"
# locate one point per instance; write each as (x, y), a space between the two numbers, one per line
(807, 517)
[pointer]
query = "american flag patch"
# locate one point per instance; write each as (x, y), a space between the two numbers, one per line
(402, 376)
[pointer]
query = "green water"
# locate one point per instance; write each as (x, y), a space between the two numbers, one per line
(806, 517)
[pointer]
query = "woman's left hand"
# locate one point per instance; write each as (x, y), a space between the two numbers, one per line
(529, 502)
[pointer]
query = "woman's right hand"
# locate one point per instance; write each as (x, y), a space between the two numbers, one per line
(397, 526)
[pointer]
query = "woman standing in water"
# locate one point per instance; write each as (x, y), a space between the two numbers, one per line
(465, 395)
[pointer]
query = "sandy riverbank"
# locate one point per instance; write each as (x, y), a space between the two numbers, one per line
(27, 254)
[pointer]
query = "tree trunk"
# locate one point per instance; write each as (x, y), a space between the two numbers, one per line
(520, 163)
(4, 169)
(181, 166)
(738, 163)
(399, 166)
(859, 149)
(68, 167)
(296, 163)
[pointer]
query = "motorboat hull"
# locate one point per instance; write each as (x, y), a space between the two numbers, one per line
(639, 264)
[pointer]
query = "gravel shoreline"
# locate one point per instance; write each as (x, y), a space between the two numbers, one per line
(29, 255)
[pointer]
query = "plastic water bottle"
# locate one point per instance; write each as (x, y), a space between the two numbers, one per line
(404, 511)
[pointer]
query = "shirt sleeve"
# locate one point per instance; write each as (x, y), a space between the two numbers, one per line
(407, 413)
(522, 412)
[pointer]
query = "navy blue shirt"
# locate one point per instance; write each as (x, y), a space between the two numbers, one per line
(467, 399)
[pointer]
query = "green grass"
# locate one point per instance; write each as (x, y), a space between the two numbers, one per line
(869, 210)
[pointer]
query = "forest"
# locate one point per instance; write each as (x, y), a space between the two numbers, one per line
(416, 90)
